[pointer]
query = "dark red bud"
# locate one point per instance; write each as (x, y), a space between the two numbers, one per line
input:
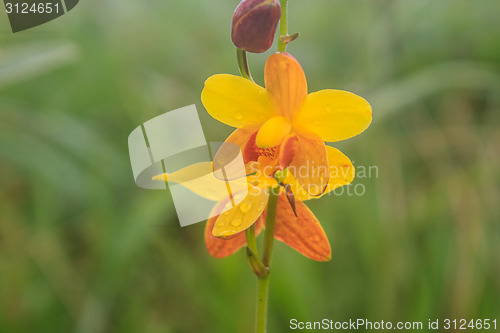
(254, 24)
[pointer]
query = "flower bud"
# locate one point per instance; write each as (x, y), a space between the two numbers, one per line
(254, 24)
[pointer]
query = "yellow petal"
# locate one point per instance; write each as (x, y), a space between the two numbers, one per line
(200, 179)
(341, 169)
(334, 115)
(243, 215)
(286, 81)
(272, 132)
(341, 172)
(237, 101)
(220, 248)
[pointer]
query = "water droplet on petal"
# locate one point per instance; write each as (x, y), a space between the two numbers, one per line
(221, 224)
(316, 238)
(245, 207)
(227, 212)
(226, 233)
(238, 116)
(236, 222)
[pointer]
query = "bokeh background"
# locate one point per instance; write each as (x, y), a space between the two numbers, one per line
(82, 249)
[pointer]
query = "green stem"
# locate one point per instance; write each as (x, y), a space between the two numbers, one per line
(263, 281)
(251, 242)
(283, 25)
(241, 57)
(270, 221)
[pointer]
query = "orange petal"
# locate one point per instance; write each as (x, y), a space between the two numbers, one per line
(240, 137)
(285, 80)
(310, 165)
(334, 115)
(287, 152)
(303, 233)
(220, 248)
(341, 173)
(226, 159)
(250, 151)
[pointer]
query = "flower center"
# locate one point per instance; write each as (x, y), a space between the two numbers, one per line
(273, 132)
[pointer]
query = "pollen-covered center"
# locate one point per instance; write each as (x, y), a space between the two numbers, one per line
(273, 132)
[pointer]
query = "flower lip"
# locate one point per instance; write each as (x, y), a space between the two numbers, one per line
(273, 132)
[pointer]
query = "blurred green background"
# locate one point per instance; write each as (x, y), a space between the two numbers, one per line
(82, 249)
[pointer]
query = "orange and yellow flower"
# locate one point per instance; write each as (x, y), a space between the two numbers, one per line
(281, 128)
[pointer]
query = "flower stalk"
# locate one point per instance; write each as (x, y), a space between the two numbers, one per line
(283, 26)
(241, 56)
(263, 281)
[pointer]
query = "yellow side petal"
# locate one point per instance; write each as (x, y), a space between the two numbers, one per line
(334, 115)
(242, 215)
(341, 173)
(237, 101)
(200, 179)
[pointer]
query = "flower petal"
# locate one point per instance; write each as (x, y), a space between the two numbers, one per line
(220, 248)
(310, 165)
(302, 232)
(227, 164)
(287, 151)
(237, 101)
(341, 172)
(240, 137)
(334, 115)
(341, 169)
(285, 80)
(200, 179)
(243, 215)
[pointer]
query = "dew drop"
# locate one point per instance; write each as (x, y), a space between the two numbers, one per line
(238, 116)
(236, 222)
(245, 207)
(316, 238)
(226, 233)
(227, 212)
(220, 224)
